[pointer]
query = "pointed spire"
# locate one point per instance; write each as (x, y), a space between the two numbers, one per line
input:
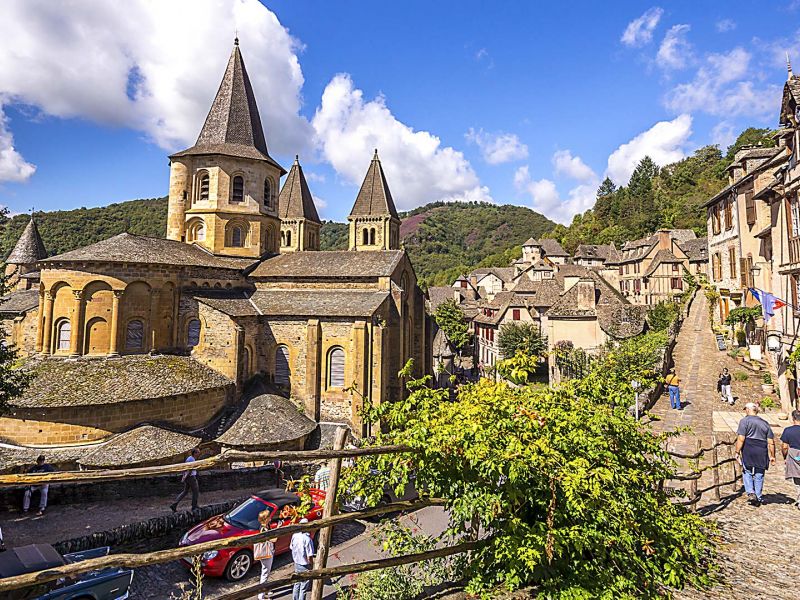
(788, 66)
(233, 125)
(374, 197)
(295, 200)
(29, 248)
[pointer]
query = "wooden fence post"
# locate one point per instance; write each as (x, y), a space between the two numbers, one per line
(735, 468)
(324, 542)
(715, 467)
(693, 483)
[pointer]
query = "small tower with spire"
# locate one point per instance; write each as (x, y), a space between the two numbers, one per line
(223, 191)
(300, 224)
(374, 223)
(28, 250)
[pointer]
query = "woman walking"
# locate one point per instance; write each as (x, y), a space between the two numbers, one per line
(724, 386)
(263, 552)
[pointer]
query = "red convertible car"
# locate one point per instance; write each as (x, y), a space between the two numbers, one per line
(234, 563)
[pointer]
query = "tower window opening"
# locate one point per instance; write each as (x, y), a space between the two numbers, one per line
(372, 236)
(238, 189)
(267, 193)
(204, 185)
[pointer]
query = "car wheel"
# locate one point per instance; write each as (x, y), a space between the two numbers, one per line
(238, 565)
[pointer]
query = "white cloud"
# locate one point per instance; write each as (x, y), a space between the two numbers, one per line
(546, 199)
(12, 166)
(723, 134)
(498, 148)
(665, 142)
(572, 166)
(675, 51)
(725, 25)
(721, 87)
(153, 67)
(419, 169)
(639, 32)
(315, 177)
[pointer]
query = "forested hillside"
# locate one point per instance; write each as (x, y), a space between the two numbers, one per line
(671, 196)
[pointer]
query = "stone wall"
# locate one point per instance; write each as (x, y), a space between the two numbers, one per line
(20, 331)
(65, 425)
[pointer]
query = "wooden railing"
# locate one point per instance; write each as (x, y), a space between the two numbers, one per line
(794, 250)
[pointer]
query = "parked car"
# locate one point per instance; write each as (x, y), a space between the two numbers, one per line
(353, 503)
(105, 584)
(234, 563)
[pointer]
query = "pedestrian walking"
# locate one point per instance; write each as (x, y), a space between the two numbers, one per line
(40, 467)
(302, 547)
(790, 448)
(724, 386)
(189, 480)
(673, 386)
(264, 552)
(322, 478)
(755, 448)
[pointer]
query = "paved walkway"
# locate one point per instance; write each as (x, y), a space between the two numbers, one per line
(757, 546)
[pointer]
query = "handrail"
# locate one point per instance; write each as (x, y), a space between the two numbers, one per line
(702, 451)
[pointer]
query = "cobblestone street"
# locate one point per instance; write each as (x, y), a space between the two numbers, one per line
(757, 546)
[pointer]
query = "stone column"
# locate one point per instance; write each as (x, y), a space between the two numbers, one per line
(76, 336)
(48, 323)
(359, 372)
(40, 327)
(113, 333)
(313, 370)
(155, 294)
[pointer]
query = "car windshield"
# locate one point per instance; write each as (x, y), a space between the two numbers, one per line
(246, 515)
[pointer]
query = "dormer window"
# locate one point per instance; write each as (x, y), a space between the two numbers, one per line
(238, 189)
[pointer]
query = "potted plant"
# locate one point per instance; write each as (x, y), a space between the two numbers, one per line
(766, 384)
(736, 354)
(741, 338)
(766, 403)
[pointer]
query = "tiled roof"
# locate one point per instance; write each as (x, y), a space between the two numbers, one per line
(267, 420)
(505, 274)
(603, 252)
(551, 247)
(131, 248)
(19, 302)
(233, 125)
(235, 303)
(663, 256)
(605, 295)
(374, 197)
(441, 294)
(539, 293)
(29, 247)
(295, 201)
(531, 242)
(500, 304)
(13, 456)
(333, 263)
(94, 382)
(328, 303)
(144, 444)
(696, 249)
(441, 346)
(622, 321)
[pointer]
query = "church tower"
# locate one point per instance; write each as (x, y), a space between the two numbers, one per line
(28, 250)
(374, 224)
(223, 191)
(300, 224)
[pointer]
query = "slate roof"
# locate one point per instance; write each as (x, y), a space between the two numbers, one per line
(19, 302)
(234, 303)
(95, 382)
(233, 125)
(12, 456)
(329, 303)
(131, 248)
(623, 320)
(505, 274)
(331, 263)
(551, 247)
(531, 242)
(539, 293)
(29, 247)
(756, 153)
(663, 256)
(500, 303)
(267, 420)
(374, 197)
(604, 252)
(144, 444)
(295, 201)
(441, 346)
(605, 294)
(791, 93)
(696, 249)
(440, 294)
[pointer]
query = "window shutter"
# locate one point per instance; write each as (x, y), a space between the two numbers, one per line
(282, 372)
(750, 208)
(336, 368)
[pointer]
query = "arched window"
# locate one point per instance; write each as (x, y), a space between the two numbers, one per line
(196, 231)
(372, 236)
(193, 333)
(203, 183)
(336, 367)
(134, 335)
(246, 362)
(288, 238)
(365, 237)
(64, 335)
(267, 192)
(238, 189)
(282, 371)
(237, 237)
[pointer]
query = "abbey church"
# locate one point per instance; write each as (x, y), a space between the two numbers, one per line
(174, 332)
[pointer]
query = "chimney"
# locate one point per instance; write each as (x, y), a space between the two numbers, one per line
(586, 293)
(570, 281)
(473, 279)
(664, 239)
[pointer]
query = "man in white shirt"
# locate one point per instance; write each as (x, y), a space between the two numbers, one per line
(302, 547)
(322, 478)
(189, 480)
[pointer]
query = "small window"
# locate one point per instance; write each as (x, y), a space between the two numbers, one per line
(282, 372)
(288, 238)
(675, 266)
(267, 193)
(64, 336)
(372, 236)
(237, 237)
(365, 237)
(134, 335)
(203, 186)
(197, 231)
(193, 333)
(336, 367)
(238, 189)
(515, 314)
(677, 283)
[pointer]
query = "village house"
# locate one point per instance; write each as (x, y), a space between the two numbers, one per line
(595, 255)
(237, 313)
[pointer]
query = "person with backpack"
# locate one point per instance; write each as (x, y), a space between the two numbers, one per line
(724, 386)
(264, 552)
(673, 386)
(790, 448)
(755, 448)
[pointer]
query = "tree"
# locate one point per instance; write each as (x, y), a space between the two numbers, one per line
(521, 337)
(661, 316)
(752, 136)
(450, 319)
(13, 380)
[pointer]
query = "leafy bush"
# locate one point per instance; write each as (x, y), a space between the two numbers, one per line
(743, 315)
(521, 337)
(662, 315)
(768, 402)
(741, 376)
(767, 379)
(451, 320)
(741, 337)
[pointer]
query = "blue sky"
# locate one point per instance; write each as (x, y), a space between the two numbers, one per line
(529, 103)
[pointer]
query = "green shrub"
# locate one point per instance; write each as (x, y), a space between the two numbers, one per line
(741, 337)
(767, 379)
(521, 337)
(662, 315)
(741, 376)
(768, 402)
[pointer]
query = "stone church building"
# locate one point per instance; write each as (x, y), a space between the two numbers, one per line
(174, 331)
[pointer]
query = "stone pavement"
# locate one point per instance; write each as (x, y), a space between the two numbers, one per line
(757, 546)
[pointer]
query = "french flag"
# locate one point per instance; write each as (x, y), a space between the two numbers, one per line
(769, 303)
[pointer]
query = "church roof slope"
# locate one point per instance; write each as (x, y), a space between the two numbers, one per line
(233, 125)
(328, 303)
(295, 199)
(131, 248)
(330, 264)
(29, 247)
(374, 198)
(144, 444)
(234, 303)
(19, 302)
(61, 383)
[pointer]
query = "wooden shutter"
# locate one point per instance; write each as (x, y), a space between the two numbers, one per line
(336, 368)
(750, 208)
(282, 372)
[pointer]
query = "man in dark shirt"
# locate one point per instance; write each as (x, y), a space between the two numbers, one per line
(790, 448)
(39, 467)
(755, 445)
